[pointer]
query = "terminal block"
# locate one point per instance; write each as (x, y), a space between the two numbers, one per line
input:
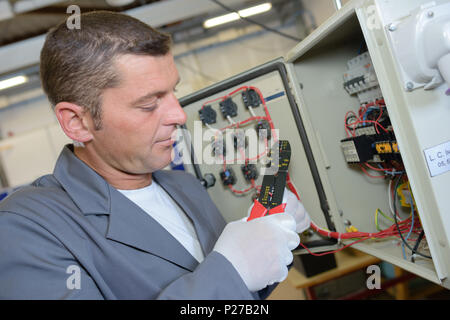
(358, 149)
(371, 147)
(388, 150)
(249, 171)
(228, 177)
(228, 108)
(263, 130)
(207, 115)
(251, 98)
(365, 130)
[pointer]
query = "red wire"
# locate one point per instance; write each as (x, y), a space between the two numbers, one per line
(369, 175)
(211, 101)
(404, 226)
(359, 119)
(241, 191)
(377, 169)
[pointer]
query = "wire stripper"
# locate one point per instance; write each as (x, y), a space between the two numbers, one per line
(271, 195)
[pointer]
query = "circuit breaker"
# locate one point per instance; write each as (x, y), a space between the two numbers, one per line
(368, 132)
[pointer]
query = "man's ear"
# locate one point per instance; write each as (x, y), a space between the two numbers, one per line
(74, 121)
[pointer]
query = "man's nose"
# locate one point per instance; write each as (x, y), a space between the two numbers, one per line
(176, 114)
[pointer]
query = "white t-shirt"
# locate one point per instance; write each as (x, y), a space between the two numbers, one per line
(160, 206)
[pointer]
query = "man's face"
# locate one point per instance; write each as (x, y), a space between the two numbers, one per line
(140, 115)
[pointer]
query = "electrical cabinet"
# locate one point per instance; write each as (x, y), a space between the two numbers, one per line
(313, 96)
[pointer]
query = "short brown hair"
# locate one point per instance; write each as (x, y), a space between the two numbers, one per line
(78, 64)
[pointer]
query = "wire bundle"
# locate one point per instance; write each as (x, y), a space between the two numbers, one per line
(372, 113)
(364, 117)
(407, 226)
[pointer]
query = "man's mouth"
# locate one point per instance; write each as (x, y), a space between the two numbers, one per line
(166, 142)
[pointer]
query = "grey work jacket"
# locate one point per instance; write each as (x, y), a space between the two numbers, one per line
(71, 235)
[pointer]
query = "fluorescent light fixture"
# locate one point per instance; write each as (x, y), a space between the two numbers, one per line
(338, 4)
(236, 16)
(255, 10)
(119, 3)
(12, 82)
(221, 20)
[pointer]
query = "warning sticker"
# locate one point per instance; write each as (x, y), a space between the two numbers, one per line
(438, 158)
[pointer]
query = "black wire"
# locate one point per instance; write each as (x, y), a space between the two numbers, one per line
(396, 222)
(257, 23)
(349, 117)
(419, 239)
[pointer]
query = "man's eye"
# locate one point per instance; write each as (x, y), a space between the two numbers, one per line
(150, 106)
(148, 109)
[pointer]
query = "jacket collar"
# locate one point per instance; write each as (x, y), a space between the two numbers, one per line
(128, 223)
(88, 190)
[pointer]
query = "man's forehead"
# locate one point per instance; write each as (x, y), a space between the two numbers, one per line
(144, 75)
(132, 67)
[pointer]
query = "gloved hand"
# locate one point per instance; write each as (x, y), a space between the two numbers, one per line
(296, 209)
(260, 249)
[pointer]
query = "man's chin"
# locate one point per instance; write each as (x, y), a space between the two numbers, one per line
(163, 160)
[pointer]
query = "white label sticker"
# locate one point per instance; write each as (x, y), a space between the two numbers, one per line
(438, 158)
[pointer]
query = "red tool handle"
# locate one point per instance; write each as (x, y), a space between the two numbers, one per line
(259, 210)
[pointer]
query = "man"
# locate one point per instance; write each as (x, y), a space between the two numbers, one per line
(108, 223)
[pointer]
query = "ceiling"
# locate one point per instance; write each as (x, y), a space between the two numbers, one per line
(33, 22)
(30, 18)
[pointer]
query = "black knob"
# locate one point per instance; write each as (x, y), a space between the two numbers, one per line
(208, 180)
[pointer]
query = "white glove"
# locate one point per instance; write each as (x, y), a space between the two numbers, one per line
(296, 209)
(260, 249)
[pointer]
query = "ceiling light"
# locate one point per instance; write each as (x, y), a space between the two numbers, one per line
(119, 3)
(221, 20)
(255, 10)
(237, 15)
(12, 82)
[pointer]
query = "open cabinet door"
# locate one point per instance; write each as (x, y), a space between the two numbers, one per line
(376, 117)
